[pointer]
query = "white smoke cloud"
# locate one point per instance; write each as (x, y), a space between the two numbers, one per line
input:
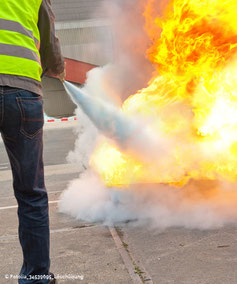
(86, 141)
(161, 206)
(88, 199)
(130, 134)
(131, 70)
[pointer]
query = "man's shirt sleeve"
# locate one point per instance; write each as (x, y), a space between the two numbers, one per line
(51, 57)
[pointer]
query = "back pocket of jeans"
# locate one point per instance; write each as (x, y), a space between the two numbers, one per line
(32, 115)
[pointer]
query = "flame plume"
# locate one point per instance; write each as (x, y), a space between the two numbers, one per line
(191, 99)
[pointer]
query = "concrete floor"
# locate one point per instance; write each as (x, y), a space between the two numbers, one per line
(174, 255)
(78, 249)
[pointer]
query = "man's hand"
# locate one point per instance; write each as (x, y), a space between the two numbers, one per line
(62, 76)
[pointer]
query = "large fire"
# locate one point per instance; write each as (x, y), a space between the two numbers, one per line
(191, 100)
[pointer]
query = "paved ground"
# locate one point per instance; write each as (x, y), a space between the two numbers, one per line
(112, 255)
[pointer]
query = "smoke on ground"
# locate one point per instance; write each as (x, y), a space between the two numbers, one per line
(160, 206)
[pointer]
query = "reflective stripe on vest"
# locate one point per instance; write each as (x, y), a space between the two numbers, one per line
(19, 38)
(8, 25)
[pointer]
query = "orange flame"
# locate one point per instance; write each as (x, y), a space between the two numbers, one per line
(192, 99)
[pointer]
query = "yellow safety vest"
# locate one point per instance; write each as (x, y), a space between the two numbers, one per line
(20, 38)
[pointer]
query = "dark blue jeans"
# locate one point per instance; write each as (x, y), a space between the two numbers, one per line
(21, 123)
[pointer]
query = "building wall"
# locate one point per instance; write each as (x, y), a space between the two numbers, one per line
(89, 41)
(85, 36)
(78, 10)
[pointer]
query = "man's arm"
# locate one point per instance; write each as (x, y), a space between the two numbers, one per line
(51, 57)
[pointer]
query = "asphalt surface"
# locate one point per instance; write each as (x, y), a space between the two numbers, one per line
(83, 252)
(58, 141)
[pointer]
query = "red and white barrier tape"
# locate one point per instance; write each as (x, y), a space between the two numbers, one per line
(61, 119)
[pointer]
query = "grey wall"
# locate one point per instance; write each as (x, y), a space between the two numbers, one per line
(91, 43)
(84, 31)
(74, 10)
